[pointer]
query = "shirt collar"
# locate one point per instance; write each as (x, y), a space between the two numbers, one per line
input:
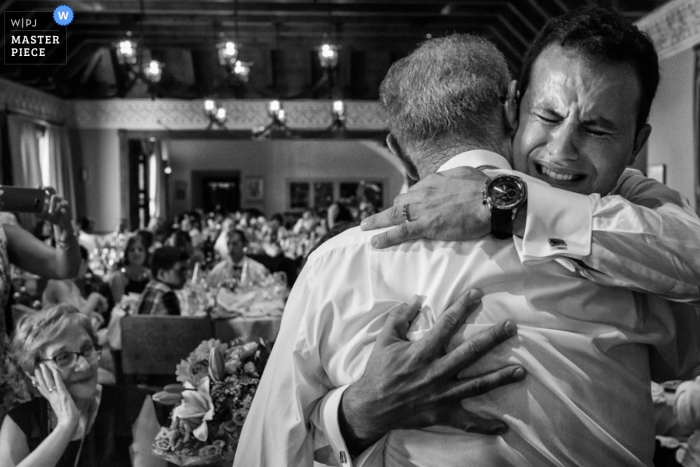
(476, 158)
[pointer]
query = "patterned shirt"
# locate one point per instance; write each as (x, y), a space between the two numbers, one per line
(158, 299)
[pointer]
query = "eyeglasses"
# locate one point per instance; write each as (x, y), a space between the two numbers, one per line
(67, 360)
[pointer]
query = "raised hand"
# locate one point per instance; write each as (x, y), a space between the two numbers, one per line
(50, 384)
(414, 384)
(443, 206)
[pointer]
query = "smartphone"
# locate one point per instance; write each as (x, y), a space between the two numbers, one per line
(19, 199)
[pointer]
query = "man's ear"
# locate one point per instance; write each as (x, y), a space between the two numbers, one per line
(639, 141)
(394, 147)
(510, 108)
(159, 274)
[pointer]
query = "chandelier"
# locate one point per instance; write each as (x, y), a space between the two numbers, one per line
(129, 57)
(215, 113)
(277, 124)
(328, 55)
(228, 58)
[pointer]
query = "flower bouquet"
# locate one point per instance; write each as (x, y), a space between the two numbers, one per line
(218, 385)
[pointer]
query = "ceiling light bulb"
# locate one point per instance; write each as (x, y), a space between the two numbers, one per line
(153, 71)
(221, 114)
(273, 108)
(126, 48)
(242, 70)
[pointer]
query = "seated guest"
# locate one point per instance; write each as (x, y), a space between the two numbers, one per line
(66, 291)
(169, 270)
(238, 266)
(183, 242)
(133, 276)
(338, 213)
(77, 421)
(307, 223)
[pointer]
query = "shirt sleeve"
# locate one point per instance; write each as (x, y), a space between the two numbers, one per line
(643, 236)
(278, 431)
(171, 303)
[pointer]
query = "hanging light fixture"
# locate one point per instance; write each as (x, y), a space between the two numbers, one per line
(130, 55)
(127, 51)
(153, 71)
(278, 122)
(338, 111)
(328, 55)
(215, 113)
(229, 51)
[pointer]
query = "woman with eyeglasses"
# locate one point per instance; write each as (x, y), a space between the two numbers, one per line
(77, 422)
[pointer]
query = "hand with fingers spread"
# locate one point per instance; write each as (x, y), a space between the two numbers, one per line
(50, 384)
(414, 384)
(443, 206)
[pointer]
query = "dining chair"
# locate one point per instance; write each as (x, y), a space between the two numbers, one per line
(152, 346)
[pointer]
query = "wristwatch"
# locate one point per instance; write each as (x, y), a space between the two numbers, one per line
(504, 194)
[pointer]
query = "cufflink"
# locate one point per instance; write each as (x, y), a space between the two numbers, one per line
(343, 458)
(558, 244)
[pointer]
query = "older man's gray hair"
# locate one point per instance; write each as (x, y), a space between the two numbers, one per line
(449, 91)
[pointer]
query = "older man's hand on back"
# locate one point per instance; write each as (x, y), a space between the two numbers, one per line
(443, 206)
(415, 384)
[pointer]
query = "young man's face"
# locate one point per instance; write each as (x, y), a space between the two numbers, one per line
(176, 276)
(577, 122)
(235, 246)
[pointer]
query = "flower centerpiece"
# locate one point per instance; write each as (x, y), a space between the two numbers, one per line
(218, 384)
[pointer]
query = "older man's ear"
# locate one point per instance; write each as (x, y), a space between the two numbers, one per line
(510, 108)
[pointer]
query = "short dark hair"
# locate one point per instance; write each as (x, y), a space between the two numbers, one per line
(449, 86)
(238, 232)
(601, 36)
(165, 258)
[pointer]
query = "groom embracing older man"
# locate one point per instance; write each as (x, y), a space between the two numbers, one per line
(358, 378)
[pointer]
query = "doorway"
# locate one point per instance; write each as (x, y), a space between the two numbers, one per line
(218, 191)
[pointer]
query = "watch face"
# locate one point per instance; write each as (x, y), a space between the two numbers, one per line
(506, 192)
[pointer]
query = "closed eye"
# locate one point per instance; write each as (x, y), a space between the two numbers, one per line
(547, 119)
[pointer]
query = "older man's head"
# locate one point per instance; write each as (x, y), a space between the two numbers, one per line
(446, 97)
(586, 89)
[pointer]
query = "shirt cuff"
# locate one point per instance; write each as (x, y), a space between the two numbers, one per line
(329, 421)
(558, 223)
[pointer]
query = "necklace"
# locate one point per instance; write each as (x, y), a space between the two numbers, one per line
(80, 451)
(80, 446)
(91, 411)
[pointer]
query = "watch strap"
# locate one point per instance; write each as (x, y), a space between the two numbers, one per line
(502, 223)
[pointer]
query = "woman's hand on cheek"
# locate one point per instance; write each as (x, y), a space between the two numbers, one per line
(50, 385)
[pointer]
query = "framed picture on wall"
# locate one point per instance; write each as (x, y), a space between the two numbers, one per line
(253, 189)
(657, 172)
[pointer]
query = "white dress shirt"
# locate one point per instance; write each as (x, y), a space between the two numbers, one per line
(585, 400)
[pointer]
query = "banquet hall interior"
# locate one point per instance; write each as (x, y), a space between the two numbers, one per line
(213, 126)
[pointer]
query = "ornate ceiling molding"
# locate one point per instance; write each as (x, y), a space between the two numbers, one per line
(145, 114)
(25, 100)
(674, 27)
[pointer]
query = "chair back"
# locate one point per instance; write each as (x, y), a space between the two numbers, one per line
(154, 345)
